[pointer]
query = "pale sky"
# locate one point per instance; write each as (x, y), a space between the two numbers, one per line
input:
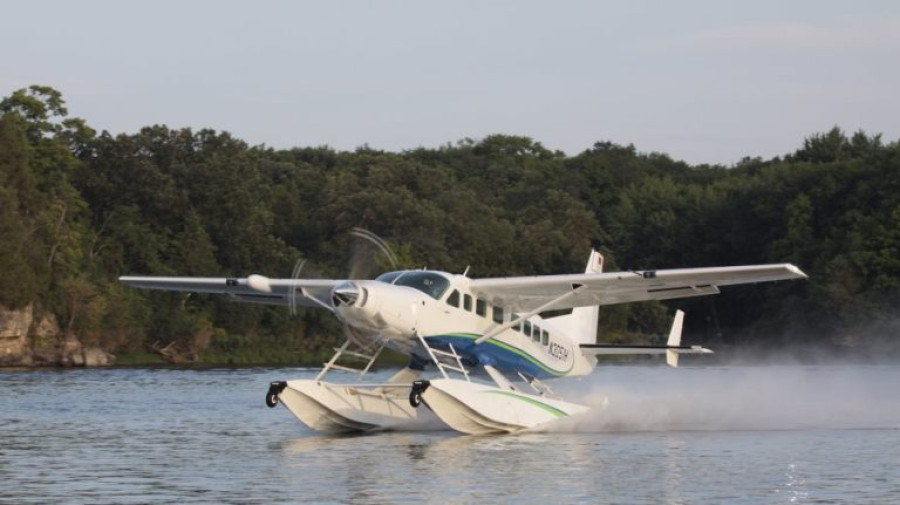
(703, 81)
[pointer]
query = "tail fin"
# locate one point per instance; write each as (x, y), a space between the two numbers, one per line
(674, 339)
(581, 324)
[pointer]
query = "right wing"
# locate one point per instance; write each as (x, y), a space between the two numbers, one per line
(252, 289)
(590, 289)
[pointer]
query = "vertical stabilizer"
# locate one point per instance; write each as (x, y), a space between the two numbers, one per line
(674, 339)
(581, 324)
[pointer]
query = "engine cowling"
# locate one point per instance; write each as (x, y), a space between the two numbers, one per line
(378, 306)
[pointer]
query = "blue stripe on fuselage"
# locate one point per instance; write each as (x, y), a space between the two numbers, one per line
(505, 358)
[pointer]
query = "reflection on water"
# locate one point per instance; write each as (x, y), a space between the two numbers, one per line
(184, 436)
(445, 467)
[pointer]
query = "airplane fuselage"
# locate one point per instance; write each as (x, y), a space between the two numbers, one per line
(399, 307)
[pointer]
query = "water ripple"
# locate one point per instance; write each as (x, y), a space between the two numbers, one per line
(130, 436)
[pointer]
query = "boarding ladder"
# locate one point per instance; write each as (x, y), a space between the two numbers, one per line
(445, 360)
(352, 357)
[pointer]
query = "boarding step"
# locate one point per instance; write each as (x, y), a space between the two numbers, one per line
(445, 360)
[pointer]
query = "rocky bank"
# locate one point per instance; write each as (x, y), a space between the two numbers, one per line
(31, 337)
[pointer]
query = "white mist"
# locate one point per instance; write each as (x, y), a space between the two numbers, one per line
(658, 398)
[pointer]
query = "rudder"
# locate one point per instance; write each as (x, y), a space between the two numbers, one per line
(581, 324)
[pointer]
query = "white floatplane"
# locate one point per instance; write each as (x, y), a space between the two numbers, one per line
(453, 327)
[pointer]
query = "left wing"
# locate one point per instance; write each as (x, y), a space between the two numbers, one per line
(253, 289)
(581, 290)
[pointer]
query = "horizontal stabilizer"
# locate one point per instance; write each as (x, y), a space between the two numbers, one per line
(672, 349)
(623, 349)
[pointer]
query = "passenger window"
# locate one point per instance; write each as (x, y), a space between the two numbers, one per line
(467, 302)
(498, 315)
(526, 328)
(545, 337)
(536, 334)
(480, 307)
(453, 299)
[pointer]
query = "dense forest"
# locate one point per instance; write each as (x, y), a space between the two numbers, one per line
(79, 208)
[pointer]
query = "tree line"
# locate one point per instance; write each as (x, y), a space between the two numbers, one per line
(79, 208)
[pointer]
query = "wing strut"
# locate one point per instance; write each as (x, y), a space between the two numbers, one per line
(576, 288)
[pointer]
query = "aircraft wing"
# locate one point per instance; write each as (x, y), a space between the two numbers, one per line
(524, 294)
(252, 289)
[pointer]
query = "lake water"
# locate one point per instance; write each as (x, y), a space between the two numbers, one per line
(755, 435)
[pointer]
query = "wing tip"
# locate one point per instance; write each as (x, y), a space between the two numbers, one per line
(796, 271)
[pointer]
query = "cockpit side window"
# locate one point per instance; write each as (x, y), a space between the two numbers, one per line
(453, 299)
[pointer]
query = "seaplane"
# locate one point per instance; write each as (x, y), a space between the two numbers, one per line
(479, 349)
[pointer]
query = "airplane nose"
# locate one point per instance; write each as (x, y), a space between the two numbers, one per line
(345, 294)
(391, 311)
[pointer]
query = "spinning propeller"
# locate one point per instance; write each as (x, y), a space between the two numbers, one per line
(363, 265)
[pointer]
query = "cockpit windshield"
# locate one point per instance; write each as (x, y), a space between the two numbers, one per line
(431, 283)
(390, 277)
